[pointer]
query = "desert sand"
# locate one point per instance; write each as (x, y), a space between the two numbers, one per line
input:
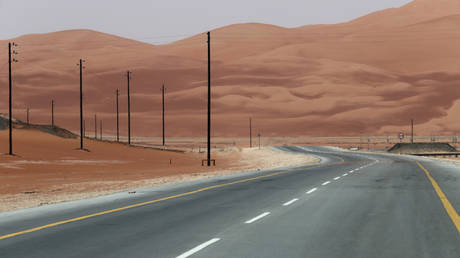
(49, 169)
(370, 75)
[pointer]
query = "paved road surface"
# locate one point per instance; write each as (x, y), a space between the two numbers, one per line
(350, 205)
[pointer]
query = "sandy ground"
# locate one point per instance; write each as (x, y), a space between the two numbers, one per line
(48, 169)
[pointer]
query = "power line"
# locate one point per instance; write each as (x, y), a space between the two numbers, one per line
(227, 34)
(137, 41)
(242, 35)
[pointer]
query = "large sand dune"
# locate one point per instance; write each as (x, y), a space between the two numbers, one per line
(369, 75)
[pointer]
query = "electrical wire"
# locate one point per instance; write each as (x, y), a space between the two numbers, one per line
(285, 38)
(238, 36)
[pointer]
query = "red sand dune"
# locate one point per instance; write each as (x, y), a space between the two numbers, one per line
(369, 75)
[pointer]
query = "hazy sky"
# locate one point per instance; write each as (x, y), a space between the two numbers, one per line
(157, 21)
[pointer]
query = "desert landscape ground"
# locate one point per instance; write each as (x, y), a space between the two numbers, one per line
(50, 169)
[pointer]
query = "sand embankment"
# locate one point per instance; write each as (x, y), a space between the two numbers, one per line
(48, 169)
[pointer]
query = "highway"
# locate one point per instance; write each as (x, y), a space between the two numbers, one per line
(349, 205)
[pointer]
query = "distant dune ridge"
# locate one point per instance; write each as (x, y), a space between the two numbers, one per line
(369, 75)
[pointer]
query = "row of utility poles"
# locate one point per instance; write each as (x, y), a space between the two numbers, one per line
(117, 94)
(52, 114)
(11, 59)
(12, 52)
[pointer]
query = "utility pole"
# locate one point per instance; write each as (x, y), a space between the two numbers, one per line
(10, 108)
(95, 126)
(82, 129)
(209, 99)
(250, 132)
(128, 76)
(118, 118)
(259, 139)
(100, 127)
(163, 112)
(412, 130)
(28, 116)
(52, 113)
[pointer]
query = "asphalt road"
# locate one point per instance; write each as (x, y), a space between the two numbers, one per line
(350, 205)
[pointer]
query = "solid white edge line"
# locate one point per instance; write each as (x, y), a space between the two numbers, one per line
(326, 183)
(198, 248)
(345, 174)
(257, 218)
(312, 190)
(290, 202)
(337, 178)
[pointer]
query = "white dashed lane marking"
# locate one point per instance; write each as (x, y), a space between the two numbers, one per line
(290, 202)
(257, 218)
(312, 190)
(198, 248)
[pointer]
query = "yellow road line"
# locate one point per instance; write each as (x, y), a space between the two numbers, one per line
(445, 202)
(149, 202)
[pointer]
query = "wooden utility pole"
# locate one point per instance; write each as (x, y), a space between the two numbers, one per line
(82, 129)
(100, 128)
(412, 131)
(95, 126)
(10, 89)
(118, 118)
(52, 113)
(28, 121)
(259, 139)
(163, 112)
(209, 99)
(128, 76)
(250, 132)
